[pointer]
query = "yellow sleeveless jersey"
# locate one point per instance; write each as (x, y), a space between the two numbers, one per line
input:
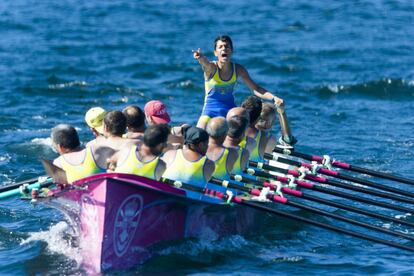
(191, 172)
(133, 165)
(220, 170)
(219, 96)
(86, 168)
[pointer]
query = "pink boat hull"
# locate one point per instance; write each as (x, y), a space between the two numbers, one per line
(120, 217)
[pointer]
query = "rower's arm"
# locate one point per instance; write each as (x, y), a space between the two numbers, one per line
(244, 159)
(231, 159)
(257, 90)
(208, 169)
(161, 167)
(271, 144)
(168, 157)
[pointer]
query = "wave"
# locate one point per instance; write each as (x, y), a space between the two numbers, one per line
(386, 88)
(58, 241)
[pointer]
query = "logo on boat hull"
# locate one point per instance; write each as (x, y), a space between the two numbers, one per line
(126, 223)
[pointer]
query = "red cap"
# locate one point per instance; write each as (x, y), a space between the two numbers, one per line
(157, 111)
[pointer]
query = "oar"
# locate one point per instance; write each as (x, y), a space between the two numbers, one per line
(320, 200)
(332, 182)
(339, 175)
(18, 184)
(285, 201)
(337, 193)
(345, 166)
(241, 201)
(34, 185)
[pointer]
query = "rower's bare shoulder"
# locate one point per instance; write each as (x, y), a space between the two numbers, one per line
(240, 70)
(168, 156)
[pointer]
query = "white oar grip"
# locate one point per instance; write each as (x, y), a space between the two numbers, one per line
(238, 177)
(178, 184)
(225, 183)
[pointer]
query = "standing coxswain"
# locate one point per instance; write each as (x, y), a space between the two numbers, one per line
(220, 78)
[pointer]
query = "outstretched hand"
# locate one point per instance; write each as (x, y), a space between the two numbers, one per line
(197, 53)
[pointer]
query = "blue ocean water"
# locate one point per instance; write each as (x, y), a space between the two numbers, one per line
(344, 68)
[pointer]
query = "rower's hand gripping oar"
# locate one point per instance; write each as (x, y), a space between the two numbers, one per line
(238, 200)
(326, 160)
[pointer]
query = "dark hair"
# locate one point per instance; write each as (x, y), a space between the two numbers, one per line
(267, 110)
(253, 105)
(115, 122)
(237, 126)
(224, 38)
(156, 134)
(135, 117)
(66, 136)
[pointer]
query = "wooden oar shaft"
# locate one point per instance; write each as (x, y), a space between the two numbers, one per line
(348, 220)
(320, 200)
(327, 226)
(18, 184)
(335, 183)
(239, 200)
(348, 208)
(340, 175)
(358, 189)
(280, 200)
(311, 186)
(346, 166)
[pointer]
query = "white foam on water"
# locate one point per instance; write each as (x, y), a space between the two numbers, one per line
(42, 141)
(68, 84)
(5, 158)
(57, 241)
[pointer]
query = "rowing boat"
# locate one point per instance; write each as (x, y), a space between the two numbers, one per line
(122, 218)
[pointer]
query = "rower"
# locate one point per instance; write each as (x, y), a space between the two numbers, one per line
(145, 160)
(253, 105)
(190, 164)
(265, 123)
(246, 142)
(75, 161)
(135, 118)
(114, 128)
(156, 113)
(223, 158)
(94, 119)
(237, 127)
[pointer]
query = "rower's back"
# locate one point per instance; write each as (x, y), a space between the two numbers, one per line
(114, 127)
(190, 165)
(76, 162)
(223, 158)
(253, 105)
(145, 160)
